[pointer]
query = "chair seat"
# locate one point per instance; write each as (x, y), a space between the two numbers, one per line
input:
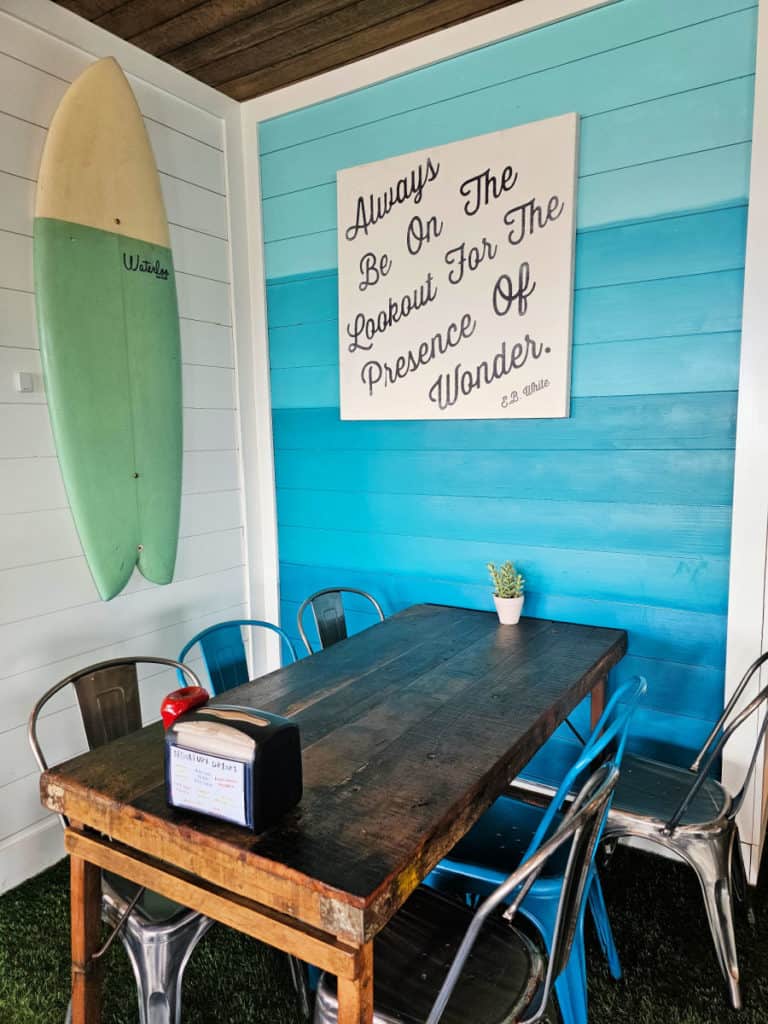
(653, 790)
(500, 838)
(646, 789)
(412, 956)
(153, 907)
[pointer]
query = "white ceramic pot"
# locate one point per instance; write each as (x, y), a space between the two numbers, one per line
(508, 609)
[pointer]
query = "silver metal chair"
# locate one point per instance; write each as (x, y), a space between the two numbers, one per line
(693, 816)
(328, 612)
(421, 955)
(159, 936)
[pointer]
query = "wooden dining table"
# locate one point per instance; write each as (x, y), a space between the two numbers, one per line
(409, 731)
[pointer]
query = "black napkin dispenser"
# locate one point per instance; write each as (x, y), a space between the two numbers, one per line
(234, 763)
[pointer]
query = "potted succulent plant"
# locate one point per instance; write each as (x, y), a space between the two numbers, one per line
(508, 591)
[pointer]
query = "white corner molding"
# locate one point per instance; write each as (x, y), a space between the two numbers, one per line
(747, 634)
(70, 28)
(521, 17)
(252, 362)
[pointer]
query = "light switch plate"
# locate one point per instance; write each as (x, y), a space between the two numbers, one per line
(25, 382)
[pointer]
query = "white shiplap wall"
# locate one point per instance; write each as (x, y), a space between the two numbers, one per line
(51, 619)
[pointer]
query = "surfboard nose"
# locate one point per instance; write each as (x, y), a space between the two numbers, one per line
(98, 167)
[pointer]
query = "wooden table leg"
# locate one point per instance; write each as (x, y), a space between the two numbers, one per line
(356, 994)
(598, 701)
(85, 901)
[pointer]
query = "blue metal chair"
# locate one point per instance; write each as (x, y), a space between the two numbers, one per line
(510, 832)
(439, 962)
(223, 652)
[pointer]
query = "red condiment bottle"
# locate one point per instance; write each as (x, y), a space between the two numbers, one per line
(180, 701)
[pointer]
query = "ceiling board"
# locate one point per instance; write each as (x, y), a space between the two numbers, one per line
(364, 17)
(230, 42)
(134, 17)
(249, 47)
(199, 28)
(343, 50)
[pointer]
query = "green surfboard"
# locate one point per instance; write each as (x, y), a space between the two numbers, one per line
(109, 330)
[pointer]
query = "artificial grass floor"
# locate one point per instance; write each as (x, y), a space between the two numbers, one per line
(655, 907)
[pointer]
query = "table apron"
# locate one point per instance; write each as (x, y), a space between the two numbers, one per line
(309, 944)
(325, 912)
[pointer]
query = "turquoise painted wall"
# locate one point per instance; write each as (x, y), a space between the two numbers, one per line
(619, 515)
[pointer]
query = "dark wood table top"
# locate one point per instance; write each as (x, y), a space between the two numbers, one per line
(409, 731)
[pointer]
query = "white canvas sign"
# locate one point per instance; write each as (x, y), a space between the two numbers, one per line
(456, 278)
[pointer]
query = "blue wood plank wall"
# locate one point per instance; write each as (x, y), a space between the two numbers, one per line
(619, 515)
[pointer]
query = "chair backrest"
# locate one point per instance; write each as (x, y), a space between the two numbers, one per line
(108, 697)
(223, 651)
(724, 728)
(581, 827)
(607, 740)
(328, 612)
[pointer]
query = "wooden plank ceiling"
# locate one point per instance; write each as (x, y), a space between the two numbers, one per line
(249, 47)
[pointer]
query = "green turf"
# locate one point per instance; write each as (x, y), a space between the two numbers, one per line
(658, 918)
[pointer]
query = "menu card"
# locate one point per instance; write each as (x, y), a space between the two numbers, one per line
(208, 784)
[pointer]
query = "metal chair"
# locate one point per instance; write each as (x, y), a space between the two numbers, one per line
(159, 936)
(223, 651)
(328, 613)
(693, 816)
(510, 832)
(421, 955)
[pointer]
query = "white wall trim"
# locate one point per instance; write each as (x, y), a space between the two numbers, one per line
(252, 362)
(448, 42)
(747, 634)
(89, 38)
(27, 853)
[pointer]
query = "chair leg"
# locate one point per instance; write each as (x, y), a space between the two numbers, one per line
(571, 985)
(741, 883)
(158, 957)
(602, 922)
(712, 861)
(301, 984)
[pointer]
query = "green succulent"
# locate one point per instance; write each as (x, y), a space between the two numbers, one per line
(507, 581)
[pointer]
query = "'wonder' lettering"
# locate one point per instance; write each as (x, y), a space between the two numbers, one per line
(449, 387)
